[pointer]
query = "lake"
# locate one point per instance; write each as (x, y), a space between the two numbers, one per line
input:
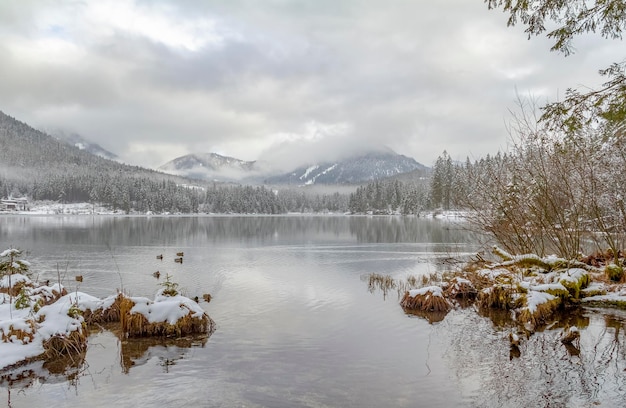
(296, 323)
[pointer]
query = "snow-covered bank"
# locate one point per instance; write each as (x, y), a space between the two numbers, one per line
(528, 288)
(33, 318)
(40, 321)
(56, 208)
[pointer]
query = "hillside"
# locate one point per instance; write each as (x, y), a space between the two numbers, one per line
(82, 143)
(40, 167)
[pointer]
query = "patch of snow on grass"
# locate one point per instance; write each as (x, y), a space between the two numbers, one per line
(534, 299)
(433, 290)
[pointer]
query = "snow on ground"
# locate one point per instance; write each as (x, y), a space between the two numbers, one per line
(432, 290)
(610, 299)
(166, 308)
(27, 322)
(44, 208)
(25, 330)
(535, 298)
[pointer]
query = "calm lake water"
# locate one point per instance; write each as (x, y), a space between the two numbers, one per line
(296, 323)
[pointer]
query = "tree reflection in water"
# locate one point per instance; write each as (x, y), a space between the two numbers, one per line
(542, 370)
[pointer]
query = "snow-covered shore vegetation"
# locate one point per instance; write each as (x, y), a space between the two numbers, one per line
(556, 191)
(531, 290)
(40, 321)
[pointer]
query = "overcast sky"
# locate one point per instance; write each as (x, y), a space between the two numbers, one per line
(281, 80)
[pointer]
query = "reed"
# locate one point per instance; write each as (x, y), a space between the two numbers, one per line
(414, 282)
(65, 345)
(49, 295)
(383, 283)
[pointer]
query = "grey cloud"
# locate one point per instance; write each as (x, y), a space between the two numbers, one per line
(419, 77)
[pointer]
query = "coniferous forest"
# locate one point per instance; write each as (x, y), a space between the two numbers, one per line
(40, 167)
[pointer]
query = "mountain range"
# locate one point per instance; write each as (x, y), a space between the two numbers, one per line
(27, 154)
(355, 169)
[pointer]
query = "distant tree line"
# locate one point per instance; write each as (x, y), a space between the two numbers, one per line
(390, 197)
(142, 194)
(40, 167)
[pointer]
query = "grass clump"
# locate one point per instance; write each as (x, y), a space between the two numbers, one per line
(496, 297)
(427, 299)
(574, 281)
(135, 323)
(540, 306)
(108, 312)
(459, 287)
(555, 289)
(614, 272)
(65, 345)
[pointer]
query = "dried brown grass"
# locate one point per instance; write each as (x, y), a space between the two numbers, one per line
(24, 336)
(414, 282)
(67, 345)
(56, 295)
(460, 288)
(136, 324)
(496, 297)
(16, 288)
(542, 313)
(104, 315)
(384, 283)
(427, 302)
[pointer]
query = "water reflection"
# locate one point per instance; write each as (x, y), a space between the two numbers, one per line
(540, 368)
(66, 370)
(542, 371)
(297, 326)
(431, 317)
(59, 370)
(137, 352)
(121, 231)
